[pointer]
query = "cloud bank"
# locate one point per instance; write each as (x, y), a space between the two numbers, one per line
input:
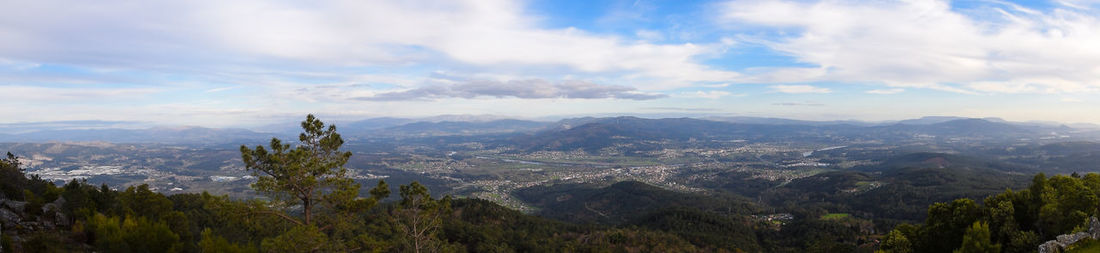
(997, 47)
(530, 89)
(240, 36)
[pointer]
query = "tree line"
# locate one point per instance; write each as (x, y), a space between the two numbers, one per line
(1012, 221)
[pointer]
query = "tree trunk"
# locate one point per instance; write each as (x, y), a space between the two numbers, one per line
(308, 205)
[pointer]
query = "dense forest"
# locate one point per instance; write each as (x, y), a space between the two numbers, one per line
(1013, 221)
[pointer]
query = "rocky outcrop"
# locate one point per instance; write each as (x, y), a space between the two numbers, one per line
(52, 216)
(1055, 246)
(15, 221)
(10, 218)
(10, 211)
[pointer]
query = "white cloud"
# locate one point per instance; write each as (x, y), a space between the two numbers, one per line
(1001, 47)
(715, 94)
(886, 91)
(796, 89)
(25, 94)
(211, 35)
(218, 89)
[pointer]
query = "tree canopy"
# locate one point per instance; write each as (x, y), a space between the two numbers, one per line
(311, 176)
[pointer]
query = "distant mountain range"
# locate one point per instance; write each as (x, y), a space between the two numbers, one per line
(587, 132)
(781, 121)
(595, 134)
(176, 135)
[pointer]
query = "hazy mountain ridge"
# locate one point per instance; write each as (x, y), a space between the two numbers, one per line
(28, 127)
(782, 121)
(424, 128)
(589, 133)
(596, 134)
(166, 135)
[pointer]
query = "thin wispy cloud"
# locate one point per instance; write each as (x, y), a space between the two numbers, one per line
(218, 89)
(798, 89)
(33, 94)
(714, 94)
(886, 91)
(799, 104)
(528, 89)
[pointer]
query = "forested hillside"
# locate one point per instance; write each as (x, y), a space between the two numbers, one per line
(1012, 221)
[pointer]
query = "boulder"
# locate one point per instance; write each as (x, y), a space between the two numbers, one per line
(1068, 239)
(1050, 247)
(16, 206)
(1055, 246)
(9, 218)
(1094, 227)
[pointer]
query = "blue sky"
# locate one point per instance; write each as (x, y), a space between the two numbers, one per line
(251, 63)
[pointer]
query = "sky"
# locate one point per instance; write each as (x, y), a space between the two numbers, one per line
(250, 62)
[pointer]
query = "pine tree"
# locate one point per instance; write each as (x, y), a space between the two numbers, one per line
(977, 240)
(312, 176)
(420, 217)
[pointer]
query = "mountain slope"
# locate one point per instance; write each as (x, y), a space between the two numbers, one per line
(620, 202)
(714, 221)
(900, 188)
(593, 134)
(609, 132)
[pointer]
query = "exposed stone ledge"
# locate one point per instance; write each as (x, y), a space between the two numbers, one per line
(1055, 246)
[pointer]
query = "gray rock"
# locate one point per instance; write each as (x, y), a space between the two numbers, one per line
(1050, 247)
(61, 219)
(1094, 227)
(50, 208)
(47, 224)
(1068, 239)
(31, 225)
(9, 218)
(1054, 246)
(60, 201)
(13, 205)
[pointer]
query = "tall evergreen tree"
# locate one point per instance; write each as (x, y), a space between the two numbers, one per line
(310, 175)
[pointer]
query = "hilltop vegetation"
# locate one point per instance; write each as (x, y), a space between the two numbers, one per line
(1012, 221)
